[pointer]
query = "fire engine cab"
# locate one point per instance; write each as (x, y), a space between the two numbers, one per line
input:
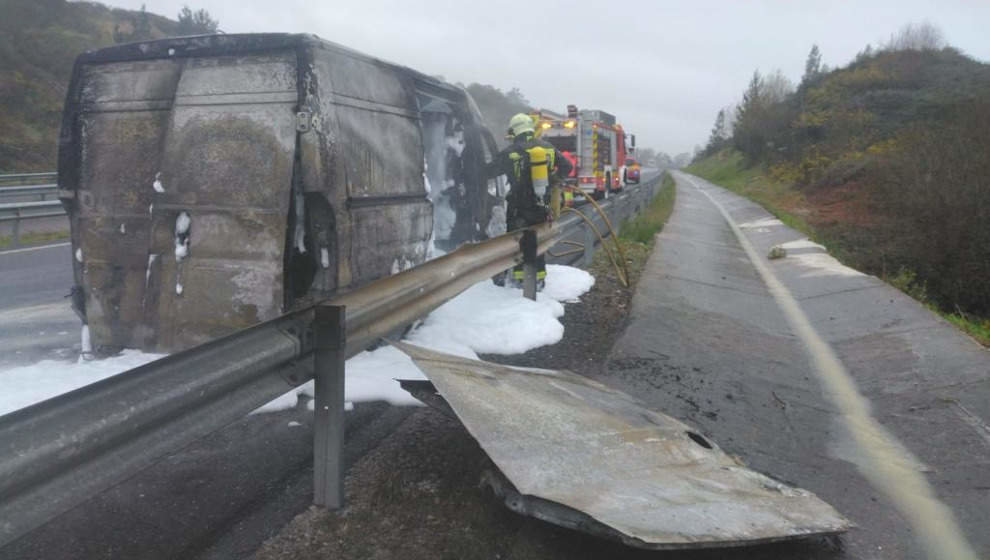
(593, 142)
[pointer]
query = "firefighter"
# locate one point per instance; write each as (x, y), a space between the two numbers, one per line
(530, 164)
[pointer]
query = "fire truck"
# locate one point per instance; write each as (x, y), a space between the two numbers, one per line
(593, 142)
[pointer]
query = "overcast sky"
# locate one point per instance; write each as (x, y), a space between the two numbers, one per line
(663, 68)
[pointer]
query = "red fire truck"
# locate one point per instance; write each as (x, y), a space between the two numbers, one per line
(594, 142)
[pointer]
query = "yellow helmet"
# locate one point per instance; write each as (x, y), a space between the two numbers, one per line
(521, 123)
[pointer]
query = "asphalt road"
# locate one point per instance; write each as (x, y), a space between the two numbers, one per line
(709, 343)
(36, 321)
(35, 275)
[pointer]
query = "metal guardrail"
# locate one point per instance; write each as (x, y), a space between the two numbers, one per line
(56, 454)
(19, 211)
(41, 192)
(31, 198)
(27, 178)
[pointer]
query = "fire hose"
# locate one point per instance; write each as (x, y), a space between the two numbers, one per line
(555, 208)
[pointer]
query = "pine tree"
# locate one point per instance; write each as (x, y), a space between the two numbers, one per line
(812, 66)
(746, 130)
(196, 23)
(751, 99)
(142, 27)
(719, 134)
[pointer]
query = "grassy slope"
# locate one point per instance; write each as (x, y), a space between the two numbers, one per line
(644, 227)
(726, 169)
(38, 238)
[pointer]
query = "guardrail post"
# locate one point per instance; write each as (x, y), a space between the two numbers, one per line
(330, 337)
(17, 228)
(528, 246)
(589, 246)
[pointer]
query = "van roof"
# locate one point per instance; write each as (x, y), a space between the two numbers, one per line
(234, 44)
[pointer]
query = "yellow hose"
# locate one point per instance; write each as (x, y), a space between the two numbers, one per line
(580, 249)
(624, 275)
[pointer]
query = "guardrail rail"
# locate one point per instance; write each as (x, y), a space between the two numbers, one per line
(28, 196)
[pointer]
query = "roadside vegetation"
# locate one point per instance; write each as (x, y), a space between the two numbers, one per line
(728, 170)
(29, 239)
(497, 107)
(39, 43)
(790, 206)
(886, 161)
(643, 227)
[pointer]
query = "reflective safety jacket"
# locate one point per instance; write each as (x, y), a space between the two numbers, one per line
(513, 162)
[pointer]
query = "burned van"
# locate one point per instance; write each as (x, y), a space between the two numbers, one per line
(214, 182)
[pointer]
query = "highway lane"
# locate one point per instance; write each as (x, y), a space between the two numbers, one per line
(709, 341)
(35, 275)
(36, 321)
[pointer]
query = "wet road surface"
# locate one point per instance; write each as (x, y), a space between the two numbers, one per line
(708, 343)
(36, 321)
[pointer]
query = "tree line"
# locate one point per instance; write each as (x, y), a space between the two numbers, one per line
(39, 43)
(137, 26)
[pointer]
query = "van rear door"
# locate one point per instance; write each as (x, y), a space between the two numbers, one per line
(182, 196)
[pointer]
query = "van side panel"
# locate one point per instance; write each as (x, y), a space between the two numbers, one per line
(383, 216)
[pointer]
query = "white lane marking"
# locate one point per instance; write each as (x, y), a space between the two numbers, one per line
(973, 421)
(883, 460)
(26, 249)
(56, 311)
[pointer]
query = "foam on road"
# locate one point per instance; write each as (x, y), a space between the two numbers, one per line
(483, 319)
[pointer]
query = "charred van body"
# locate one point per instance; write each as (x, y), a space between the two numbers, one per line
(214, 182)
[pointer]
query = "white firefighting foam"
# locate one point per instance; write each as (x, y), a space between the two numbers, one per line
(485, 319)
